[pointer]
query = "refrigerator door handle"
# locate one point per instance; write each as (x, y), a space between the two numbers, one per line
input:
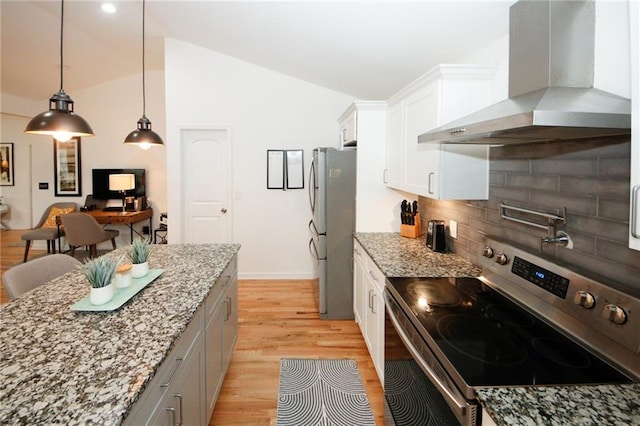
(314, 250)
(312, 186)
(313, 228)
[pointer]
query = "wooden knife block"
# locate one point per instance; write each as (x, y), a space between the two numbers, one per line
(412, 231)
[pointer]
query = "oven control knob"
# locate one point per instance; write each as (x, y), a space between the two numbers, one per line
(487, 252)
(502, 259)
(584, 299)
(615, 314)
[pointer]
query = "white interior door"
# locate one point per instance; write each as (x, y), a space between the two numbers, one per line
(206, 185)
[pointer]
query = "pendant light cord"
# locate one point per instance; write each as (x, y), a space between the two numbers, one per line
(144, 104)
(61, 32)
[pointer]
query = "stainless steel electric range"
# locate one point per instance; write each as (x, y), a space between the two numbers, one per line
(525, 322)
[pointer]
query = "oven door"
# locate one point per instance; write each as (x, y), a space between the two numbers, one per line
(417, 390)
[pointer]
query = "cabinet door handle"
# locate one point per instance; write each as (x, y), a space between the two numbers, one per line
(373, 304)
(384, 175)
(179, 396)
(178, 361)
(373, 277)
(370, 305)
(635, 200)
(429, 189)
(227, 303)
(173, 415)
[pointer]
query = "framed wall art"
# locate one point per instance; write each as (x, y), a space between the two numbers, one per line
(6, 164)
(275, 169)
(67, 168)
(285, 169)
(295, 169)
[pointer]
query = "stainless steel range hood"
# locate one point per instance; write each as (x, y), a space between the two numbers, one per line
(551, 74)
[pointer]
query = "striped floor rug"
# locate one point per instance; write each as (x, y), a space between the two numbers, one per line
(322, 392)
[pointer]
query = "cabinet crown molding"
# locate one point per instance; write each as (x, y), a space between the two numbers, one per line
(446, 72)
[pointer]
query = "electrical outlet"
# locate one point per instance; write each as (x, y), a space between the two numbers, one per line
(453, 229)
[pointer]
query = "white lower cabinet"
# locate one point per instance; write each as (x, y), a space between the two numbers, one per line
(369, 299)
(186, 386)
(358, 285)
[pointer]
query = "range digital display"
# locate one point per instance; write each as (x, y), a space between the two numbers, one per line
(547, 280)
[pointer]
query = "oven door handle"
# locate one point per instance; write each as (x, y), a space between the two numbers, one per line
(456, 402)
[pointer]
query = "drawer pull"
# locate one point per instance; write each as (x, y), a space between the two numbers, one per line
(179, 396)
(173, 415)
(178, 361)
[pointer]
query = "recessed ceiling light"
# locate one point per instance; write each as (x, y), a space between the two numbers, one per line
(108, 7)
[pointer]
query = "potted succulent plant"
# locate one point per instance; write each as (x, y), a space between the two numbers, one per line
(139, 252)
(100, 272)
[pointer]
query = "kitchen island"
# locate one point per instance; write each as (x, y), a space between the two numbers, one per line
(65, 367)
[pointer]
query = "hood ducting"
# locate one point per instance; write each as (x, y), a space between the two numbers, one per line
(551, 74)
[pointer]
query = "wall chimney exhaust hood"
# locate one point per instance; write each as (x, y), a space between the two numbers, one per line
(551, 74)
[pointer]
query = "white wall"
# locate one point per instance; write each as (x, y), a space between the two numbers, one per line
(112, 109)
(265, 110)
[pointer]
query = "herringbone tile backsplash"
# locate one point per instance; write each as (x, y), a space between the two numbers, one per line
(590, 178)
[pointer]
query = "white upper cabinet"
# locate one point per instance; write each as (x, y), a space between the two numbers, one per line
(348, 127)
(393, 165)
(634, 220)
(376, 204)
(443, 94)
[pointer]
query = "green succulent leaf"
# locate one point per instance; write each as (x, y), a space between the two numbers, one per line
(100, 271)
(139, 251)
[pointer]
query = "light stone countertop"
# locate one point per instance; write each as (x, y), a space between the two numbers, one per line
(596, 405)
(398, 256)
(618, 405)
(58, 366)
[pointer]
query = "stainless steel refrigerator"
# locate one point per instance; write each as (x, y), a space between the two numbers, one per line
(332, 194)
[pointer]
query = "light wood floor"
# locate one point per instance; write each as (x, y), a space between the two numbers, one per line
(11, 253)
(277, 319)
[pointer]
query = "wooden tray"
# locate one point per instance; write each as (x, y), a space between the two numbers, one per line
(121, 296)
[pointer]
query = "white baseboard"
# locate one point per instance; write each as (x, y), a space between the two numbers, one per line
(276, 276)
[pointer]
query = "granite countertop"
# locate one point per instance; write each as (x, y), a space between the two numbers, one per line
(596, 405)
(65, 367)
(398, 256)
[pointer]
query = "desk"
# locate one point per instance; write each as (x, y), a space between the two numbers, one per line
(113, 217)
(127, 218)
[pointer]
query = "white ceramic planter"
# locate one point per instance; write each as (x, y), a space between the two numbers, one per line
(139, 270)
(102, 295)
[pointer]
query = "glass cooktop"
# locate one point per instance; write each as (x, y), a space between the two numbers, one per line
(491, 341)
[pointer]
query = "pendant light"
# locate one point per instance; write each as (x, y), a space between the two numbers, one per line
(143, 136)
(60, 121)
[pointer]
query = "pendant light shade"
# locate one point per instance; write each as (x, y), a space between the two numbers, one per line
(143, 136)
(60, 121)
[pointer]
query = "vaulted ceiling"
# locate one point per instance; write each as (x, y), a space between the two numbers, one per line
(367, 49)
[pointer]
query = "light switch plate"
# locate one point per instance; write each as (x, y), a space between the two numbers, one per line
(453, 229)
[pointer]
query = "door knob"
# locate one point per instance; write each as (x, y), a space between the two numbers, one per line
(223, 210)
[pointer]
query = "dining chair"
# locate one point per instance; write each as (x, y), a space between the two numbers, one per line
(47, 228)
(24, 277)
(82, 229)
